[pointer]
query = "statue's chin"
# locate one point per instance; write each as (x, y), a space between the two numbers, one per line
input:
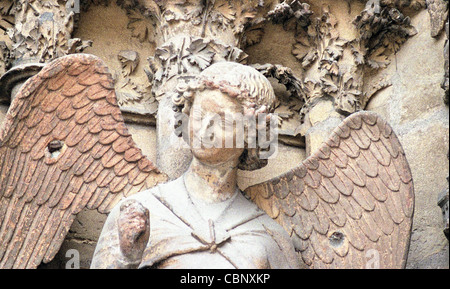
(215, 156)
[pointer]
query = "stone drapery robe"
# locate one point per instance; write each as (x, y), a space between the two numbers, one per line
(242, 237)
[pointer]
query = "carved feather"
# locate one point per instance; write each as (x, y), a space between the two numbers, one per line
(350, 202)
(64, 147)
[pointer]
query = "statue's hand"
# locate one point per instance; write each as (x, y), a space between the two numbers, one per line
(134, 229)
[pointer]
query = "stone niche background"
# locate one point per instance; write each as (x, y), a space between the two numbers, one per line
(413, 105)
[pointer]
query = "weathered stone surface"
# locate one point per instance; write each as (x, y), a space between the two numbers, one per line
(429, 167)
(145, 137)
(381, 103)
(413, 105)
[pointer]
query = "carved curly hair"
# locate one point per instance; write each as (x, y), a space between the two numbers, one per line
(251, 88)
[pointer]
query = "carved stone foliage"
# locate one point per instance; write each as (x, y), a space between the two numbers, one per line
(42, 31)
(289, 102)
(4, 58)
(321, 46)
(187, 55)
(194, 34)
(158, 21)
(212, 18)
(291, 15)
(381, 27)
(438, 10)
(6, 18)
(133, 91)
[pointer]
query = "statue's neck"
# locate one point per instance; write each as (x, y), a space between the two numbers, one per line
(209, 183)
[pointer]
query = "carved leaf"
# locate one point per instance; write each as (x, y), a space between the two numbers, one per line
(200, 53)
(129, 60)
(140, 26)
(329, 84)
(166, 52)
(313, 89)
(253, 36)
(378, 59)
(299, 51)
(329, 67)
(416, 4)
(237, 55)
(358, 51)
(183, 10)
(6, 18)
(336, 47)
(222, 12)
(245, 12)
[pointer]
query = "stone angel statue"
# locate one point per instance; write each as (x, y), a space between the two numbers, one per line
(64, 147)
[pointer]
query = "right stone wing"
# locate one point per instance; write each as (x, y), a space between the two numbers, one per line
(350, 204)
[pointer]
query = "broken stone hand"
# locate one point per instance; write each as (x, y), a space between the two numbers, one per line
(134, 229)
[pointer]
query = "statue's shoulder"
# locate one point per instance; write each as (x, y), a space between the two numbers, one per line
(160, 196)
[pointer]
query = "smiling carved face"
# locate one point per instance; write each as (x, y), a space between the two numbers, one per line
(222, 90)
(210, 140)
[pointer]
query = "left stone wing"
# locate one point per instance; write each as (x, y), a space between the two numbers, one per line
(350, 204)
(64, 146)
